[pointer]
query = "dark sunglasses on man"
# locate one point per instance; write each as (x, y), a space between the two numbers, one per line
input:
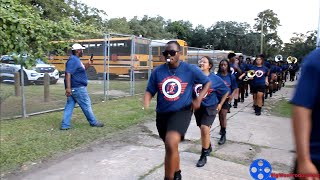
(171, 52)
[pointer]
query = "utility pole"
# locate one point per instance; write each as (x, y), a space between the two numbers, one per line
(261, 40)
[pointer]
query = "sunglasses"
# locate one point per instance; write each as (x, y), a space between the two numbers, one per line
(171, 52)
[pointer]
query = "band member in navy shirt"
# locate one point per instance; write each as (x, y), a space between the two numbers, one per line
(259, 83)
(229, 79)
(173, 82)
(306, 116)
(210, 105)
(236, 71)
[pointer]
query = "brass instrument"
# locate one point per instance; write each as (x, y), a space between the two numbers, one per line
(250, 74)
(291, 60)
(278, 58)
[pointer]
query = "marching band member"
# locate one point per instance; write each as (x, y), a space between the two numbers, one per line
(306, 116)
(173, 82)
(241, 83)
(210, 106)
(236, 71)
(259, 83)
(224, 72)
(247, 83)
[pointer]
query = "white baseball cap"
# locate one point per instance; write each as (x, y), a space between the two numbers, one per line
(77, 46)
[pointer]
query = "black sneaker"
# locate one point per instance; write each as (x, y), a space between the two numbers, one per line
(222, 139)
(202, 161)
(177, 175)
(98, 124)
(64, 129)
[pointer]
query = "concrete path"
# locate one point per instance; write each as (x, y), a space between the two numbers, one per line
(138, 153)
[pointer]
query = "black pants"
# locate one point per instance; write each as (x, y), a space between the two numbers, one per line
(292, 75)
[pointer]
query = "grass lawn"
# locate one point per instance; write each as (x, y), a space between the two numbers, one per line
(24, 141)
(282, 108)
(11, 105)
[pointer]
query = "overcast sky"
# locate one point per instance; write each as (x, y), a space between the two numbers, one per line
(295, 15)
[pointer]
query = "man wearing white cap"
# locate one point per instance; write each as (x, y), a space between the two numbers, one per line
(76, 82)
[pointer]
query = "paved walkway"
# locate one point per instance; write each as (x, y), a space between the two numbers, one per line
(138, 153)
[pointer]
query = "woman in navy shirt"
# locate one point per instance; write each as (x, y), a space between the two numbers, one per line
(229, 79)
(259, 83)
(210, 105)
(173, 83)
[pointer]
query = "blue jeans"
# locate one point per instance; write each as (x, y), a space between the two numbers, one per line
(80, 96)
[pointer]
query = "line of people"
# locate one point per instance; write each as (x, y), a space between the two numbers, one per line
(183, 90)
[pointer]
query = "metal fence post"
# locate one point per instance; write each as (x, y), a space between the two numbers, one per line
(23, 106)
(108, 74)
(149, 62)
(132, 78)
(104, 67)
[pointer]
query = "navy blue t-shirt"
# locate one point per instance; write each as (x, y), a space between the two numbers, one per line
(260, 75)
(230, 81)
(267, 64)
(78, 73)
(307, 95)
(174, 89)
(217, 87)
(279, 70)
(243, 67)
(284, 67)
(234, 71)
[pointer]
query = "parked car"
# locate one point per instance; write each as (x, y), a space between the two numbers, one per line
(35, 74)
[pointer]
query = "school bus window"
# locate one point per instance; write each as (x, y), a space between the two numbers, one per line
(97, 49)
(142, 49)
(155, 51)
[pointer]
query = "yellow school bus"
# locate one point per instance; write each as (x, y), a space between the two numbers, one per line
(158, 46)
(123, 51)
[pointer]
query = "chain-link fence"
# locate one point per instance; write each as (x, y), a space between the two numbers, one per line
(121, 65)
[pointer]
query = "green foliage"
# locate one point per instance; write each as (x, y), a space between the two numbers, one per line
(150, 27)
(300, 45)
(271, 42)
(282, 108)
(119, 25)
(24, 31)
(28, 26)
(183, 29)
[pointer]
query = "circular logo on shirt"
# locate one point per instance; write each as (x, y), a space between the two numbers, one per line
(171, 88)
(259, 73)
(197, 90)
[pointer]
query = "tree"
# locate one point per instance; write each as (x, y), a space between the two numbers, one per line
(23, 31)
(199, 37)
(300, 45)
(119, 25)
(271, 41)
(183, 29)
(155, 28)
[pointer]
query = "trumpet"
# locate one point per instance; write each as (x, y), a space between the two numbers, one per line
(291, 60)
(278, 58)
(250, 74)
